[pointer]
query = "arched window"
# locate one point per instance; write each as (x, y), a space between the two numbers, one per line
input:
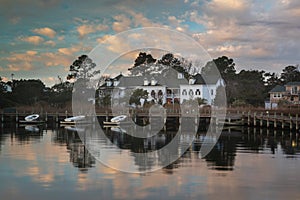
(153, 93)
(160, 94)
(191, 92)
(184, 92)
(198, 92)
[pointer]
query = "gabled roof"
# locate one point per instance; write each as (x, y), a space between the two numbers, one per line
(278, 88)
(206, 79)
(170, 80)
(118, 77)
(127, 81)
(296, 83)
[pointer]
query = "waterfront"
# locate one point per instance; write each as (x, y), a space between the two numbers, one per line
(52, 163)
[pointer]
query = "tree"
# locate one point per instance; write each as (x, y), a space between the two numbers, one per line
(223, 65)
(290, 74)
(5, 97)
(177, 64)
(60, 94)
(251, 87)
(137, 95)
(271, 80)
(105, 100)
(82, 68)
(220, 97)
(201, 101)
(29, 91)
(144, 58)
(2, 86)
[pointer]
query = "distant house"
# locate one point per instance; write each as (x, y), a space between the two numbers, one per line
(171, 89)
(6, 87)
(290, 93)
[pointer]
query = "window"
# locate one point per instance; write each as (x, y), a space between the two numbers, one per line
(198, 92)
(108, 83)
(294, 90)
(211, 92)
(116, 83)
(160, 94)
(153, 93)
(191, 92)
(184, 92)
(180, 76)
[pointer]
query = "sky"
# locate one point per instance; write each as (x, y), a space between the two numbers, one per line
(41, 38)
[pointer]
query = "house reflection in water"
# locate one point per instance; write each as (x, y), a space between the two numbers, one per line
(79, 154)
(221, 157)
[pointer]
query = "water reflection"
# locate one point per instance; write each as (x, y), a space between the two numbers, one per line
(222, 157)
(53, 163)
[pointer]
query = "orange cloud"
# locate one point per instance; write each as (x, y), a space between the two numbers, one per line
(122, 23)
(32, 39)
(69, 51)
(45, 31)
(50, 43)
(236, 5)
(84, 30)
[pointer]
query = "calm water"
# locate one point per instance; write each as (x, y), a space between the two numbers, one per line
(52, 163)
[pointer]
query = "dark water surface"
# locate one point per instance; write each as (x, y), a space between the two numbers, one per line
(52, 163)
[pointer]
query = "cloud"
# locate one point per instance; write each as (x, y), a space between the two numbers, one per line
(30, 59)
(122, 23)
(69, 51)
(60, 38)
(103, 38)
(138, 19)
(86, 29)
(32, 39)
(177, 23)
(21, 61)
(228, 5)
(51, 59)
(50, 43)
(45, 31)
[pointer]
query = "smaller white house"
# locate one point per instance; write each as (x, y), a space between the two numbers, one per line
(201, 87)
(197, 87)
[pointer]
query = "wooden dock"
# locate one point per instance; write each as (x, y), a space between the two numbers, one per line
(249, 118)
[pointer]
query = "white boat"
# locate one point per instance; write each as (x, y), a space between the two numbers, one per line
(32, 128)
(74, 129)
(118, 129)
(31, 118)
(118, 118)
(75, 118)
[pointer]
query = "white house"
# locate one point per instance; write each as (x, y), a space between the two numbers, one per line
(170, 89)
(201, 87)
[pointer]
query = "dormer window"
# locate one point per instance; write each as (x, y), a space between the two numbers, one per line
(180, 76)
(116, 83)
(108, 83)
(153, 81)
(146, 82)
(192, 81)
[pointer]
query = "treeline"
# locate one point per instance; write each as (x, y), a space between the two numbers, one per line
(250, 87)
(247, 87)
(32, 92)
